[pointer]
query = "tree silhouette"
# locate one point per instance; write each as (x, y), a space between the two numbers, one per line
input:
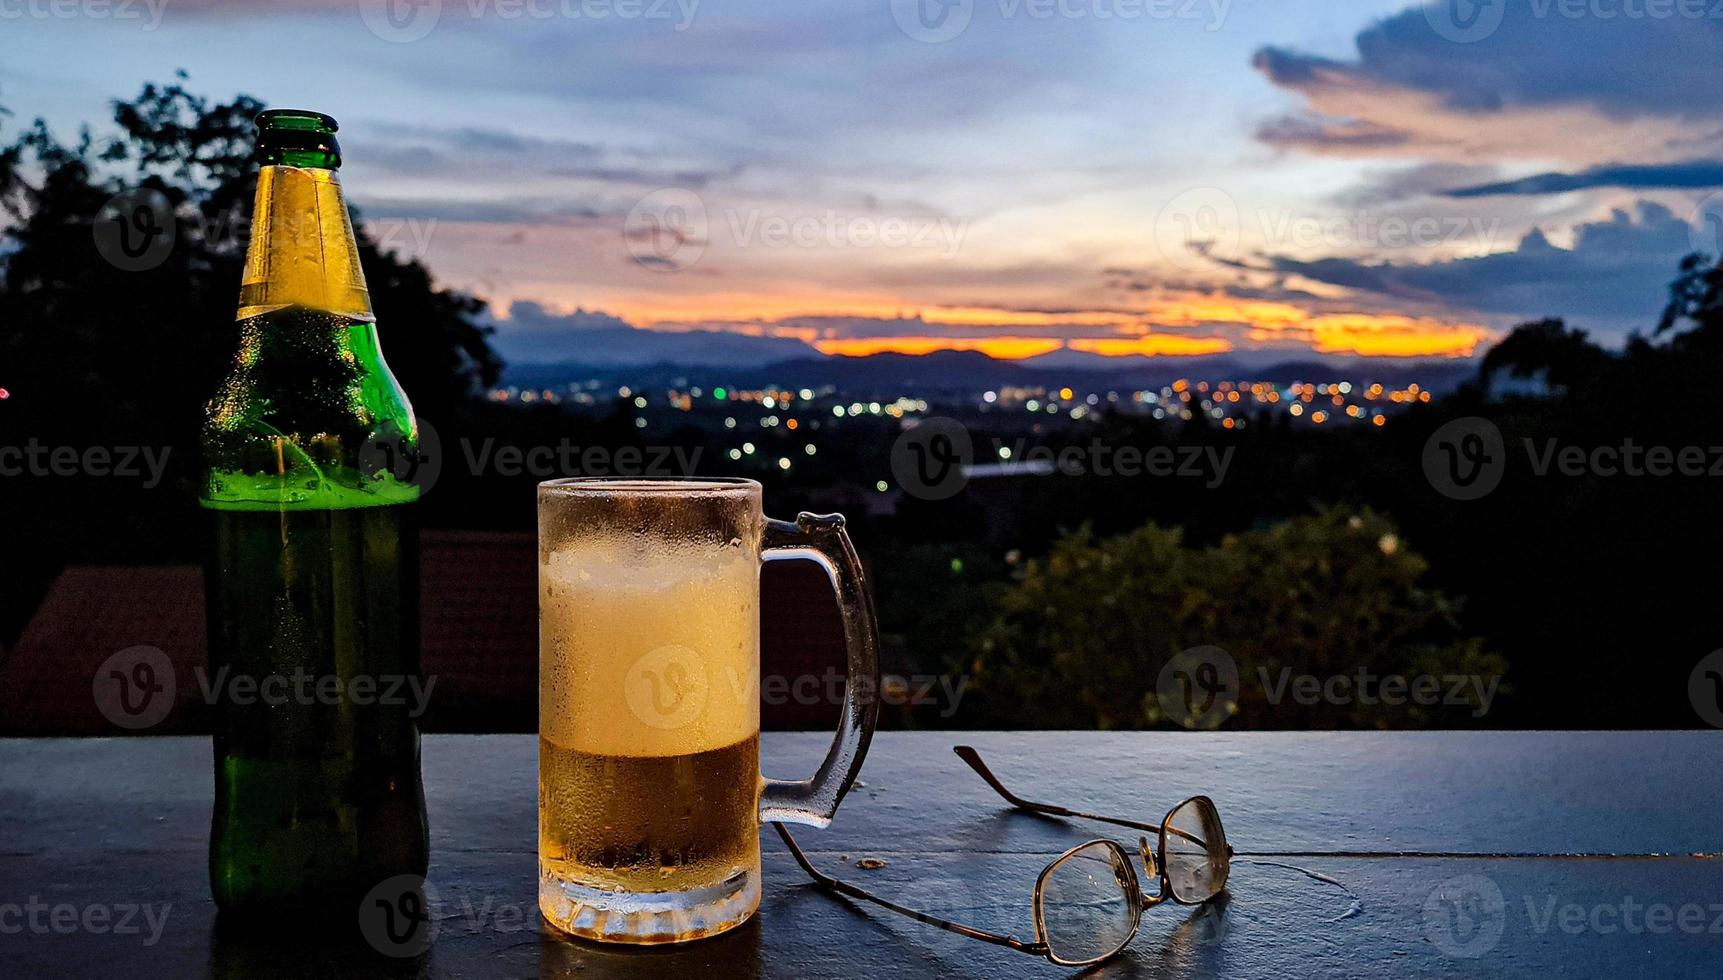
(1696, 295)
(1082, 639)
(93, 354)
(1566, 357)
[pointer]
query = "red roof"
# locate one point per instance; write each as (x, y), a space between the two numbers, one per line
(480, 640)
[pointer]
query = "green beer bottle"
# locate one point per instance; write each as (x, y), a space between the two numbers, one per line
(312, 582)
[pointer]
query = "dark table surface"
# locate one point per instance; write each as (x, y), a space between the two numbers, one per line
(1390, 854)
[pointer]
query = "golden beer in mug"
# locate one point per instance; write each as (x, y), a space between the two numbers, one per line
(650, 795)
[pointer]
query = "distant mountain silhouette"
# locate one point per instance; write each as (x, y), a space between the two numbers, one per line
(533, 335)
(953, 372)
(545, 349)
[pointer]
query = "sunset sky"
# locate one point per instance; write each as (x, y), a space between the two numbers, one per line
(1115, 177)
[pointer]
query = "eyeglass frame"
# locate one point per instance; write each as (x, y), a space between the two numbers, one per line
(1154, 862)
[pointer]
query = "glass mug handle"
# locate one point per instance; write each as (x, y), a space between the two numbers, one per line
(821, 538)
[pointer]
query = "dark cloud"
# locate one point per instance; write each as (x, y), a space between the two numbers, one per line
(858, 327)
(525, 211)
(1610, 278)
(1603, 78)
(1691, 174)
(1404, 183)
(474, 139)
(1312, 132)
(422, 151)
(1151, 281)
(1538, 55)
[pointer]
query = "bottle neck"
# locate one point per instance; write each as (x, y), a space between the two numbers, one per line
(303, 252)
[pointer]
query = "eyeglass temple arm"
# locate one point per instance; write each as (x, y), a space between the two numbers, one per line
(853, 891)
(969, 755)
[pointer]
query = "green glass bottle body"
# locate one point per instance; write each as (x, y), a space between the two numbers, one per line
(312, 579)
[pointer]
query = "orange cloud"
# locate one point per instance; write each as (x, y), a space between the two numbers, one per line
(1374, 335)
(1004, 348)
(1151, 345)
(1219, 308)
(1172, 323)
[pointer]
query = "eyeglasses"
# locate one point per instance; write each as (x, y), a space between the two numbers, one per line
(1089, 901)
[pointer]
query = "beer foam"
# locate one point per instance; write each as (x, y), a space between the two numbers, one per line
(648, 650)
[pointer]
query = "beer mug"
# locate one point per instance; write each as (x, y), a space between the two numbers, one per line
(649, 789)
